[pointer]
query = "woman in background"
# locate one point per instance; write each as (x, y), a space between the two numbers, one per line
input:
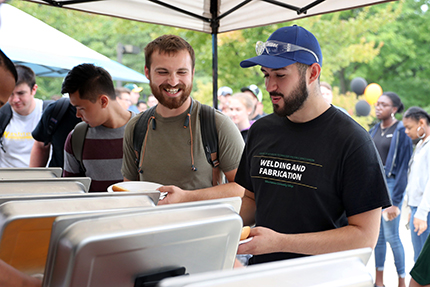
(395, 149)
(416, 122)
(241, 106)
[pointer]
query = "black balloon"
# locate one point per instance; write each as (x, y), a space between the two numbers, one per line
(358, 85)
(362, 108)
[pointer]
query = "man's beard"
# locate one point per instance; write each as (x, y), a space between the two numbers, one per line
(294, 101)
(171, 103)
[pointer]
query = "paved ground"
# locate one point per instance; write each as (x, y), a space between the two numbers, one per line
(390, 274)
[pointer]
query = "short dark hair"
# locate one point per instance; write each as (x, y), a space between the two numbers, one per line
(417, 113)
(25, 75)
(90, 81)
(302, 68)
(8, 64)
(170, 45)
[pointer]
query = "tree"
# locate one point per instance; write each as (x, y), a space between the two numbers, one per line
(369, 42)
(403, 65)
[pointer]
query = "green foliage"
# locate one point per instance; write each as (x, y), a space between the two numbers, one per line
(385, 44)
(348, 102)
(403, 65)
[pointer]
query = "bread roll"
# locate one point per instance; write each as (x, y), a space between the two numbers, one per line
(245, 232)
(118, 188)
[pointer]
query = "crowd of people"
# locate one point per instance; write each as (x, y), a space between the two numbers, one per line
(311, 179)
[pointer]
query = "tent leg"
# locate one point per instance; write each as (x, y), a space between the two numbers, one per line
(215, 69)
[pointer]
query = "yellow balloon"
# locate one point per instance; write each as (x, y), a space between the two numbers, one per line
(372, 93)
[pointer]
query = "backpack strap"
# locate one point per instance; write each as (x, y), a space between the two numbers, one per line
(78, 139)
(57, 114)
(139, 133)
(210, 141)
(5, 116)
(208, 131)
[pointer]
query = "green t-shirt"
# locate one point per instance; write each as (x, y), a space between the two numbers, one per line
(421, 270)
(169, 150)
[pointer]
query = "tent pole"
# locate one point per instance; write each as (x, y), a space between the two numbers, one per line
(214, 9)
(215, 69)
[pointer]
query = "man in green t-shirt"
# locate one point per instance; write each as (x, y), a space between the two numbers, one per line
(172, 152)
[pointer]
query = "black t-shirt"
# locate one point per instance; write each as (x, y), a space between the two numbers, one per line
(382, 139)
(310, 177)
(65, 125)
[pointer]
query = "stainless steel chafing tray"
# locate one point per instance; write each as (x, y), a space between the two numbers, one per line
(63, 222)
(153, 194)
(30, 172)
(45, 185)
(118, 249)
(25, 226)
(339, 269)
(234, 202)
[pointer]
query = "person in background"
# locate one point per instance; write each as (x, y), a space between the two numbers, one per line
(416, 122)
(223, 94)
(241, 107)
(395, 149)
(142, 106)
(134, 96)
(9, 276)
(43, 141)
(123, 97)
(327, 93)
(313, 180)
(172, 152)
(92, 92)
(257, 98)
(8, 78)
(152, 101)
(16, 142)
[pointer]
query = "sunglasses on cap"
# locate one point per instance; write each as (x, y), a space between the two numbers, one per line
(273, 48)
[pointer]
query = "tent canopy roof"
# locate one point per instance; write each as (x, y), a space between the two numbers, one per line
(211, 16)
(49, 52)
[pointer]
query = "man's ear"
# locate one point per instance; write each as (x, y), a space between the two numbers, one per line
(146, 72)
(34, 89)
(315, 71)
(104, 101)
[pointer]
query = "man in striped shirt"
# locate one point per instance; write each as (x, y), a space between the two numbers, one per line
(92, 92)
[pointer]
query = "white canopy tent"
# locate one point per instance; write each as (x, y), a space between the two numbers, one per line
(49, 52)
(211, 16)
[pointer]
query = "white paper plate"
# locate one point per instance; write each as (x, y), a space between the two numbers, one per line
(136, 186)
(245, 240)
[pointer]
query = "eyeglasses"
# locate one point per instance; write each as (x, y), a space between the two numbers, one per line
(274, 48)
(383, 105)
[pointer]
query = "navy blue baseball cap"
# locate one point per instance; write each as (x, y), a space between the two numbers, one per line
(286, 46)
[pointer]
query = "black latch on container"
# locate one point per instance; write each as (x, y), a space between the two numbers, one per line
(152, 278)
